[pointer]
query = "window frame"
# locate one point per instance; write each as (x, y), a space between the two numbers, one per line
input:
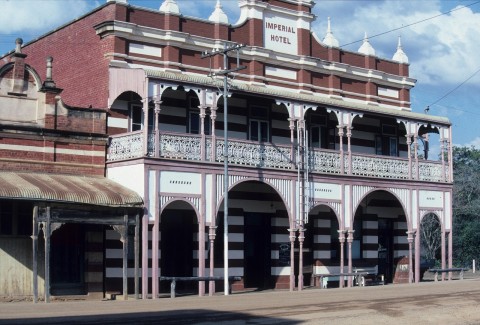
(261, 120)
(134, 125)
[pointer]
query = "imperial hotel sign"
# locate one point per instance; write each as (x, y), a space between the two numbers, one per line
(280, 33)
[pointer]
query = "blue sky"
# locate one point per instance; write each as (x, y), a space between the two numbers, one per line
(443, 49)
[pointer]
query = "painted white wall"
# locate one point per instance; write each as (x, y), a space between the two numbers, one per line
(131, 176)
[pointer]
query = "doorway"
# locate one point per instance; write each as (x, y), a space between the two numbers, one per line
(67, 260)
(385, 248)
(257, 251)
(177, 246)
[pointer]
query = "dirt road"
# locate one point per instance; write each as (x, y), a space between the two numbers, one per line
(454, 302)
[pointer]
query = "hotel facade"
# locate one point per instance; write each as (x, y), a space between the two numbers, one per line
(327, 163)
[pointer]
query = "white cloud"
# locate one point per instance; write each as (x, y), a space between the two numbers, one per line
(204, 8)
(40, 15)
(474, 143)
(442, 50)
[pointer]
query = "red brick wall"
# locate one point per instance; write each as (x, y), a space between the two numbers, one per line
(81, 68)
(78, 121)
(79, 65)
(45, 167)
(146, 18)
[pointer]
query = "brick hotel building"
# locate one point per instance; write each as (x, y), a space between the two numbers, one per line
(327, 168)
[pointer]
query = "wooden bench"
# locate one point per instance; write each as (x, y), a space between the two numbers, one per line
(358, 277)
(372, 274)
(455, 269)
(175, 279)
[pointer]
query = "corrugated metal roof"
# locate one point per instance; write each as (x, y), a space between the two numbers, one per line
(98, 191)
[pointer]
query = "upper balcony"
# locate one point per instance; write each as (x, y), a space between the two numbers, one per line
(250, 154)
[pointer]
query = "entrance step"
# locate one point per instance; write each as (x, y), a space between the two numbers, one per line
(112, 295)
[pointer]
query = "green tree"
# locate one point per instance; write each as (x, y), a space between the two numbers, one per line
(466, 205)
(431, 236)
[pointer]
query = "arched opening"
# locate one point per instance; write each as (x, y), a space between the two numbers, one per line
(379, 238)
(430, 241)
(258, 237)
(180, 112)
(322, 245)
(429, 143)
(178, 244)
(379, 135)
(127, 113)
(255, 119)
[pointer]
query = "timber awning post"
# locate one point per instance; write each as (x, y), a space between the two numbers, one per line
(125, 256)
(35, 254)
(137, 253)
(46, 234)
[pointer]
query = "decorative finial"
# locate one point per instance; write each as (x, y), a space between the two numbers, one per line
(49, 83)
(366, 48)
(49, 68)
(218, 15)
(329, 39)
(400, 55)
(18, 45)
(170, 7)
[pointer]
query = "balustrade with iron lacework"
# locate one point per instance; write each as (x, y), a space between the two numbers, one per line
(267, 155)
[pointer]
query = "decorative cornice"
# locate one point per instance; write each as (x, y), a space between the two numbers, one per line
(133, 32)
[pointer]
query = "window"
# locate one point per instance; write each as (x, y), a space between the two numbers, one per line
(393, 146)
(357, 239)
(334, 244)
(318, 136)
(194, 123)
(194, 120)
(258, 130)
(6, 217)
(387, 143)
(259, 125)
(136, 118)
(15, 218)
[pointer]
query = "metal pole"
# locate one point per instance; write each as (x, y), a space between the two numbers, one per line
(225, 178)
(225, 73)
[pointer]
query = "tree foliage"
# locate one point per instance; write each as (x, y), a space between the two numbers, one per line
(431, 236)
(466, 205)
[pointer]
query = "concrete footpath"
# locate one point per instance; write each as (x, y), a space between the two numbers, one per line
(449, 302)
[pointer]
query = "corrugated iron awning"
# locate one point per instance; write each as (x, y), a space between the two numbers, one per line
(99, 191)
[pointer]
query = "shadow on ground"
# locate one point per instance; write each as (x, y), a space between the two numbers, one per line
(188, 317)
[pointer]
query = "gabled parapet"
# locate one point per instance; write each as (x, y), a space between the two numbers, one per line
(26, 102)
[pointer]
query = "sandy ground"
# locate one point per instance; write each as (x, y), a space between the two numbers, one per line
(449, 302)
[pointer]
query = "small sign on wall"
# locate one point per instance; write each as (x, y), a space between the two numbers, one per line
(327, 191)
(180, 183)
(284, 254)
(431, 199)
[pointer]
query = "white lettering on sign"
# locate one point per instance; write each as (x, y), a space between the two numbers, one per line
(280, 33)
